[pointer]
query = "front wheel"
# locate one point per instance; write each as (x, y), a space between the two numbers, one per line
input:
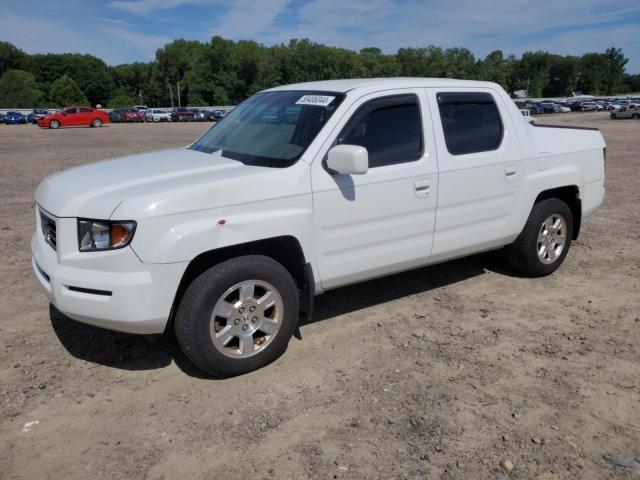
(545, 240)
(238, 316)
(54, 124)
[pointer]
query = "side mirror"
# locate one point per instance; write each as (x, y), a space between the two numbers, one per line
(348, 160)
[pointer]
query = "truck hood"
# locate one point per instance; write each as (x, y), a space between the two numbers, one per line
(149, 180)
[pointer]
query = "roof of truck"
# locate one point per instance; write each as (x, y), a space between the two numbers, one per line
(346, 85)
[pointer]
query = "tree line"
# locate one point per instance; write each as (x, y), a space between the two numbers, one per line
(225, 72)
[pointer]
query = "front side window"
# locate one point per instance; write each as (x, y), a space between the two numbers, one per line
(390, 128)
(70, 111)
(271, 129)
(470, 121)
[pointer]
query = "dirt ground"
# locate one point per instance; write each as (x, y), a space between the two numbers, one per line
(443, 372)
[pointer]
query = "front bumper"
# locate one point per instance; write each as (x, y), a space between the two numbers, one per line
(113, 290)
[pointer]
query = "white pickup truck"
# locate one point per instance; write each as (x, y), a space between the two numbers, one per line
(301, 189)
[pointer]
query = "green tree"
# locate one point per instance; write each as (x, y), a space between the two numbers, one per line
(422, 62)
(631, 84)
(496, 68)
(376, 64)
(120, 100)
(65, 91)
(90, 73)
(10, 57)
(18, 89)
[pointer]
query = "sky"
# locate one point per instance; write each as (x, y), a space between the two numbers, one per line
(123, 31)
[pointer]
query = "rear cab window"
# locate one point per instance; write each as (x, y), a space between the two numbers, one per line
(470, 121)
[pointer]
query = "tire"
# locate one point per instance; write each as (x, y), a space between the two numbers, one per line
(635, 116)
(218, 289)
(55, 124)
(96, 123)
(524, 252)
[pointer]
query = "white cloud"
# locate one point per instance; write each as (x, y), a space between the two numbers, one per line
(513, 26)
(143, 7)
(144, 43)
(247, 18)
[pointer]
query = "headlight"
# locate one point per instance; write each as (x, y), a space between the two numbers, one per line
(96, 235)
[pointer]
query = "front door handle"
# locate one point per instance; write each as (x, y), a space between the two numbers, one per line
(422, 187)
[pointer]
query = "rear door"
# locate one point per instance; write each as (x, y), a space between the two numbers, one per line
(85, 116)
(480, 171)
(380, 222)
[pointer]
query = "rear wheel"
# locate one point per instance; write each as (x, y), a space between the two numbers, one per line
(54, 124)
(237, 316)
(545, 240)
(96, 122)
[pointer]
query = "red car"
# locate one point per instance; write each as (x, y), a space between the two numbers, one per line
(131, 115)
(182, 114)
(74, 117)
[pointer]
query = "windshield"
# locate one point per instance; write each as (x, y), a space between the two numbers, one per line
(271, 129)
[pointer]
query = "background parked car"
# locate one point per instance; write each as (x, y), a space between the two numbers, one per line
(15, 118)
(36, 114)
(115, 115)
(534, 108)
(549, 107)
(527, 115)
(626, 112)
(143, 109)
(75, 117)
(215, 115)
(588, 107)
(131, 115)
(575, 106)
(1, 117)
(199, 115)
(157, 116)
(182, 114)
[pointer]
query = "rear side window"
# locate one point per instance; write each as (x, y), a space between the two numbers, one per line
(471, 122)
(389, 128)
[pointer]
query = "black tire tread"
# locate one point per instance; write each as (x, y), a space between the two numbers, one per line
(184, 324)
(519, 251)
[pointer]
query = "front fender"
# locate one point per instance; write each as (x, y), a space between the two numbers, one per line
(182, 237)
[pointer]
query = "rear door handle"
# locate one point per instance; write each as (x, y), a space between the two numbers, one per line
(422, 187)
(510, 172)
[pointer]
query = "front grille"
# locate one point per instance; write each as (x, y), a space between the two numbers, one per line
(48, 226)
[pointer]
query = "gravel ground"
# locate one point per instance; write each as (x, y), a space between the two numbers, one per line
(457, 371)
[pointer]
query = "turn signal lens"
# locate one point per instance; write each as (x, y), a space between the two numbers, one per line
(121, 234)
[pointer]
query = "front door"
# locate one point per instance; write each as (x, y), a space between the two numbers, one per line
(70, 117)
(382, 221)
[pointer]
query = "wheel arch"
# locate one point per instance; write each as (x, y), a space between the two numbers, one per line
(285, 250)
(569, 194)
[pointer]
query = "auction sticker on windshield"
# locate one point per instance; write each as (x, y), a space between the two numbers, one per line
(317, 100)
